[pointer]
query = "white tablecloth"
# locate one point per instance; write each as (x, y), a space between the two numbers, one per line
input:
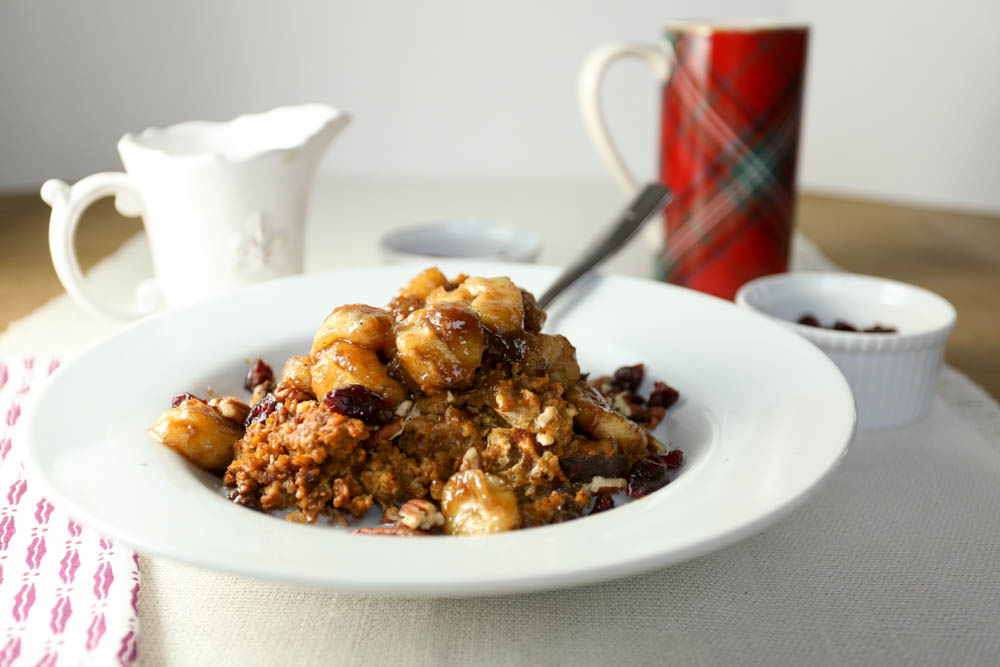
(894, 561)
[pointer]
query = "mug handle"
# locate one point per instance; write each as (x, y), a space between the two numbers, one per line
(68, 204)
(589, 94)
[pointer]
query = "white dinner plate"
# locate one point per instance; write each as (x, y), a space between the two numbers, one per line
(764, 416)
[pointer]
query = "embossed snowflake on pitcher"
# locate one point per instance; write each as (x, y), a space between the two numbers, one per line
(262, 246)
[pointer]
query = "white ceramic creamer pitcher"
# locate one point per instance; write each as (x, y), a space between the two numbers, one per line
(223, 204)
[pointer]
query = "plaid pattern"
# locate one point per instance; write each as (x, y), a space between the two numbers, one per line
(729, 143)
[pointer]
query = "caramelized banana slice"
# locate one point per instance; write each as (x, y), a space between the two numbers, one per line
(363, 325)
(560, 359)
(345, 363)
(296, 379)
(475, 503)
(497, 301)
(534, 316)
(413, 294)
(440, 346)
(199, 433)
(599, 421)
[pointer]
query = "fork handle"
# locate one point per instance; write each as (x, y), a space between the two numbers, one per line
(648, 203)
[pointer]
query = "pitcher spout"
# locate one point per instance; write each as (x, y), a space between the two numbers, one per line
(326, 121)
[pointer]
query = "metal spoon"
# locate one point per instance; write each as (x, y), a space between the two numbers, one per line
(648, 203)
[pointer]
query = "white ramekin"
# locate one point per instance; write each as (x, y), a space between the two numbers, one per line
(435, 241)
(893, 376)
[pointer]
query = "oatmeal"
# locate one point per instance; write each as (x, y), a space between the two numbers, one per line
(449, 409)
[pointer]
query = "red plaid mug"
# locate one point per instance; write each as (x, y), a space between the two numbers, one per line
(732, 101)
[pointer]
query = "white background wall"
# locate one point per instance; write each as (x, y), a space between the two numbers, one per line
(902, 100)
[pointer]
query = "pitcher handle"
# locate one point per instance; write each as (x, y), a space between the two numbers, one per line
(589, 94)
(68, 204)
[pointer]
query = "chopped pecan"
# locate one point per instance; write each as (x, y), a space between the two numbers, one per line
(396, 530)
(602, 485)
(231, 408)
(420, 514)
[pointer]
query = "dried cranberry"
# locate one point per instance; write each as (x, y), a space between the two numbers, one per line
(645, 476)
(662, 396)
(512, 347)
(673, 459)
(355, 401)
(258, 373)
(844, 325)
(260, 411)
(629, 377)
(603, 503)
(245, 501)
(184, 396)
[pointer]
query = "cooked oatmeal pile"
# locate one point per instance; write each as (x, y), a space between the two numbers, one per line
(448, 408)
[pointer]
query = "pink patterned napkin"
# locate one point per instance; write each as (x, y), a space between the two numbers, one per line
(67, 595)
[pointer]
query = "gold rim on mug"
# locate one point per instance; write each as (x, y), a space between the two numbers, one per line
(734, 25)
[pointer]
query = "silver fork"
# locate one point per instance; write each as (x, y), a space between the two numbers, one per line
(648, 203)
